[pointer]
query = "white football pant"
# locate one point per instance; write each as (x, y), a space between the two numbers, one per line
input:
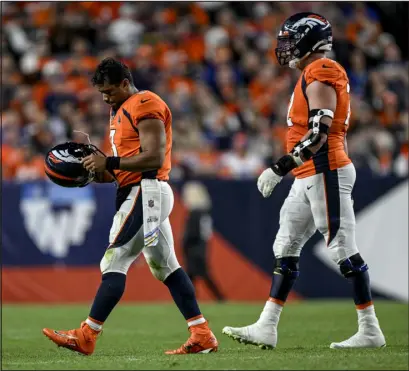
(127, 240)
(324, 202)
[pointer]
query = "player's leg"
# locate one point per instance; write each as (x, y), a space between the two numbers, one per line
(335, 219)
(166, 268)
(192, 278)
(120, 254)
(296, 228)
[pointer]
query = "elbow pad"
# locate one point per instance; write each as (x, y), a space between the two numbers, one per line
(302, 148)
(314, 123)
(293, 160)
(314, 120)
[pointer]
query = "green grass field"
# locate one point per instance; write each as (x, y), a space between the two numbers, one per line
(135, 337)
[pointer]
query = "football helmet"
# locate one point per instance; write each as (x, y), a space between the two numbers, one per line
(63, 164)
(300, 35)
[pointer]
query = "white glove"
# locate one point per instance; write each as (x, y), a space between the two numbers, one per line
(267, 181)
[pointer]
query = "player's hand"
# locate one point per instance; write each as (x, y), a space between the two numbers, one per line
(267, 181)
(94, 163)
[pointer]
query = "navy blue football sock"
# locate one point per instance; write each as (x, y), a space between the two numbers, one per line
(355, 271)
(361, 288)
(109, 293)
(284, 277)
(183, 293)
(281, 287)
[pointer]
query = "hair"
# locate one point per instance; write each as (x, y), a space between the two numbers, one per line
(112, 72)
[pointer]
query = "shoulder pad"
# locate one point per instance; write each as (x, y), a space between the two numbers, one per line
(326, 71)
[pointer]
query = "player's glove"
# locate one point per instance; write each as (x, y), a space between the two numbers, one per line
(267, 181)
(270, 177)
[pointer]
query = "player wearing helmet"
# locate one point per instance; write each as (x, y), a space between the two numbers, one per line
(320, 197)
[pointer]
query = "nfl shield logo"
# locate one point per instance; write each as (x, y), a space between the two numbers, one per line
(151, 203)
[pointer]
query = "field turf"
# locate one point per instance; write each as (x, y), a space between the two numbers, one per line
(135, 337)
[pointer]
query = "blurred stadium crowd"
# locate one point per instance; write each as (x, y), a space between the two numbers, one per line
(212, 62)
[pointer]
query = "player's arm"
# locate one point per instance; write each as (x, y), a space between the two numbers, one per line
(322, 101)
(153, 143)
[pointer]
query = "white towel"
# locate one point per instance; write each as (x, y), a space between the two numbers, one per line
(151, 200)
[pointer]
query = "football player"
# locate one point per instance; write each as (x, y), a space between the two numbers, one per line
(320, 197)
(141, 138)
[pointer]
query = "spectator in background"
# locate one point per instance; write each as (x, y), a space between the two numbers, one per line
(263, 90)
(214, 64)
(69, 22)
(250, 65)
(381, 160)
(218, 122)
(31, 165)
(80, 63)
(395, 73)
(11, 136)
(37, 127)
(240, 163)
(198, 230)
(125, 32)
(144, 72)
(10, 78)
(16, 35)
(363, 30)
(358, 75)
(58, 93)
(359, 136)
(215, 37)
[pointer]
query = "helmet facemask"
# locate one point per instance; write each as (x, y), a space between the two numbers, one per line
(286, 48)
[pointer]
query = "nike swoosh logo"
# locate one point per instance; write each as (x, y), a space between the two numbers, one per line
(144, 100)
(65, 335)
(309, 187)
(324, 66)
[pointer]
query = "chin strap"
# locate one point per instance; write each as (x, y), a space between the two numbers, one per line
(94, 149)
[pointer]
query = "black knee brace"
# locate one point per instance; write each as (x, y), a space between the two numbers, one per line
(353, 266)
(287, 266)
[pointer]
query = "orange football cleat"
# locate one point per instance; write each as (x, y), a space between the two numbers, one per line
(201, 340)
(80, 340)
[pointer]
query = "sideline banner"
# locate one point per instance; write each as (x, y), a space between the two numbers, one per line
(53, 239)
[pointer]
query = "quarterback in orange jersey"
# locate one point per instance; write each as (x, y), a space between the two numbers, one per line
(320, 197)
(141, 138)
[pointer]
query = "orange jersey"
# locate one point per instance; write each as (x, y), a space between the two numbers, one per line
(124, 134)
(332, 154)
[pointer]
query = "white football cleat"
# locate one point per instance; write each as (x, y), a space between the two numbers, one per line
(374, 339)
(256, 334)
